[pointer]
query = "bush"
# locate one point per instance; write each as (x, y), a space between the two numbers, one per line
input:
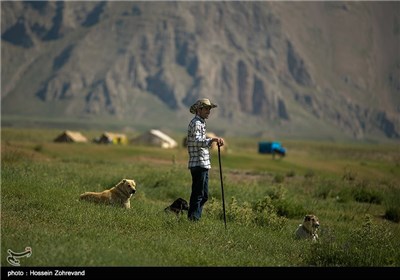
(278, 178)
(344, 195)
(276, 192)
(266, 214)
(393, 214)
(325, 188)
(363, 193)
(291, 173)
(309, 174)
(263, 213)
(288, 209)
(392, 211)
(242, 214)
(349, 175)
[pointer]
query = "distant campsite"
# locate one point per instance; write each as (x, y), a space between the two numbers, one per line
(152, 137)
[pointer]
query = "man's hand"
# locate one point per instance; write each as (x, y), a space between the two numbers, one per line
(220, 141)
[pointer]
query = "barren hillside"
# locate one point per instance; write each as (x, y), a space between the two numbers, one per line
(276, 69)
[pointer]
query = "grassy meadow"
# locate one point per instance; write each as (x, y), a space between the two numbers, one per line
(354, 189)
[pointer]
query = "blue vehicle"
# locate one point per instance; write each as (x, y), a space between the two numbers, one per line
(274, 148)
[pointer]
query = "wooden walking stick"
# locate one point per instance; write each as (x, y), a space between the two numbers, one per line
(222, 183)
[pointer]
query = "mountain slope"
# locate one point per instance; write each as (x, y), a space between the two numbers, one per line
(279, 69)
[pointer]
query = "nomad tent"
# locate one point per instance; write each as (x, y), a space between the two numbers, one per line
(71, 136)
(157, 138)
(112, 138)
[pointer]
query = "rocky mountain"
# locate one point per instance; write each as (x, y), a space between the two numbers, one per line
(276, 69)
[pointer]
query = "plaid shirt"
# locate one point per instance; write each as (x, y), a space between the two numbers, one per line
(198, 144)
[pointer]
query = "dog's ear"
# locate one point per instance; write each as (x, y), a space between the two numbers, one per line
(124, 180)
(307, 218)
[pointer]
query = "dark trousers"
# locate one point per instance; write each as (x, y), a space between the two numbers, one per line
(199, 194)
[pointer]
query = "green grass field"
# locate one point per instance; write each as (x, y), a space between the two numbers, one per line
(353, 188)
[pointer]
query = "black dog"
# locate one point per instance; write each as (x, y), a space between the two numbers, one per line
(178, 206)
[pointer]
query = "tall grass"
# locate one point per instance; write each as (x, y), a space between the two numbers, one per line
(266, 200)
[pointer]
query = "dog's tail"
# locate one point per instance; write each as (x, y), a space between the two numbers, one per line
(85, 196)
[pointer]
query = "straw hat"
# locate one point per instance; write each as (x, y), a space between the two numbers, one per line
(204, 102)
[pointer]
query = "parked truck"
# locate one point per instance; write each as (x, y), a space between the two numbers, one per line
(274, 148)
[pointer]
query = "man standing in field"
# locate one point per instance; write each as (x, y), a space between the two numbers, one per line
(199, 156)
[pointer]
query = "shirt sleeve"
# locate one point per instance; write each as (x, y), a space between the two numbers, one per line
(200, 138)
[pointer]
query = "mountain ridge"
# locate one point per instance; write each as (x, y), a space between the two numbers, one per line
(274, 68)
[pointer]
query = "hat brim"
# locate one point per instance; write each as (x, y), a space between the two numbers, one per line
(196, 106)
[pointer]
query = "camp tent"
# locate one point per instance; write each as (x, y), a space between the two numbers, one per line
(157, 138)
(70, 137)
(112, 138)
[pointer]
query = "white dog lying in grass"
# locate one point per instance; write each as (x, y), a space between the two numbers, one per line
(308, 228)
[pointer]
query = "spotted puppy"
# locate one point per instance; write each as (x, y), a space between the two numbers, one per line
(178, 206)
(308, 228)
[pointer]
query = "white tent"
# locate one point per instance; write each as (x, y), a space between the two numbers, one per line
(157, 138)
